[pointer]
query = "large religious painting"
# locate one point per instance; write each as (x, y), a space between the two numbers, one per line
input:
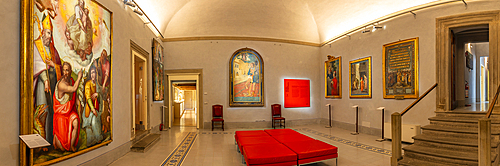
(400, 73)
(360, 78)
(157, 71)
(333, 77)
(246, 78)
(66, 86)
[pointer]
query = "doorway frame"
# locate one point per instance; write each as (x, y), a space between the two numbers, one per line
(135, 49)
(185, 74)
(443, 58)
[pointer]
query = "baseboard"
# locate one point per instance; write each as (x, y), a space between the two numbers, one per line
(264, 124)
(114, 154)
(109, 156)
(352, 127)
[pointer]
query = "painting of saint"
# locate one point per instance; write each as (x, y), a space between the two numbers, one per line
(333, 77)
(71, 87)
(158, 77)
(246, 78)
(360, 80)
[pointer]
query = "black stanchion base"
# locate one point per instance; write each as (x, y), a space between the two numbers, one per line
(380, 140)
(328, 126)
(355, 133)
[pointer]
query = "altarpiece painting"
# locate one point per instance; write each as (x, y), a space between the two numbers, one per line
(400, 73)
(246, 78)
(333, 77)
(158, 77)
(66, 87)
(360, 78)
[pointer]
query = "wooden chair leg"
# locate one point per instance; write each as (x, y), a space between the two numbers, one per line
(222, 126)
(212, 125)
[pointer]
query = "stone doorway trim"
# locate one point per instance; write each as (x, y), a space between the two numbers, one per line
(443, 45)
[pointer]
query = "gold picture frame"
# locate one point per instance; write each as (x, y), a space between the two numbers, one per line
(246, 79)
(59, 46)
(333, 77)
(400, 69)
(360, 78)
(158, 71)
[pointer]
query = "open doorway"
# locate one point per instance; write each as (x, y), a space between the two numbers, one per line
(184, 103)
(184, 98)
(139, 78)
(470, 49)
(484, 83)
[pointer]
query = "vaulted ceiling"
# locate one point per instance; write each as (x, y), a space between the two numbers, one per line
(313, 21)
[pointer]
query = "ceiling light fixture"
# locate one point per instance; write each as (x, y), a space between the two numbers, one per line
(366, 30)
(136, 10)
(129, 3)
(376, 26)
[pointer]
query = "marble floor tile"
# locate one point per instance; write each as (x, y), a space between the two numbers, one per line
(218, 148)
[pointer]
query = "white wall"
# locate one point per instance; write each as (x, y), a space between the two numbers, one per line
(371, 44)
(126, 26)
(281, 61)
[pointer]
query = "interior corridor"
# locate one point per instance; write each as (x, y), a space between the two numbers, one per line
(187, 119)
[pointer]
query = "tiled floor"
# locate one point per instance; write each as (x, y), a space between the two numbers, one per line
(188, 118)
(218, 148)
(478, 106)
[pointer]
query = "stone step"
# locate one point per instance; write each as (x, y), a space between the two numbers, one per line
(476, 114)
(460, 121)
(443, 155)
(453, 129)
(407, 161)
(452, 140)
(140, 134)
(144, 144)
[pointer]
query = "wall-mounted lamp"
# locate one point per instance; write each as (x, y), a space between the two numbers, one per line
(129, 3)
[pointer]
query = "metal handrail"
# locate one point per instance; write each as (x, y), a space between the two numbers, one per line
(492, 104)
(420, 98)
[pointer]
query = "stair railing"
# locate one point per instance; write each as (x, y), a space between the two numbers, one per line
(396, 129)
(484, 134)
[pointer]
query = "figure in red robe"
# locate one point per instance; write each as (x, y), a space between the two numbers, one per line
(335, 89)
(66, 119)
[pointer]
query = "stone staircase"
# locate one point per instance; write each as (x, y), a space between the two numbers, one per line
(143, 141)
(451, 138)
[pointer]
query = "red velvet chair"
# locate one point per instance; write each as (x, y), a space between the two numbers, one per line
(217, 116)
(276, 115)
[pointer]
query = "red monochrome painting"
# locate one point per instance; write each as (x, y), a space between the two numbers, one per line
(297, 93)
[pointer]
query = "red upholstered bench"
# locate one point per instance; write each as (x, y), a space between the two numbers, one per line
(292, 138)
(249, 133)
(269, 155)
(246, 141)
(312, 151)
(274, 132)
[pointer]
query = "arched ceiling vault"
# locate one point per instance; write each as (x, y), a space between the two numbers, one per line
(313, 21)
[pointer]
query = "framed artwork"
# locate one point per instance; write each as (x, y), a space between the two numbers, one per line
(468, 60)
(158, 79)
(360, 78)
(297, 93)
(400, 73)
(333, 77)
(246, 78)
(66, 78)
